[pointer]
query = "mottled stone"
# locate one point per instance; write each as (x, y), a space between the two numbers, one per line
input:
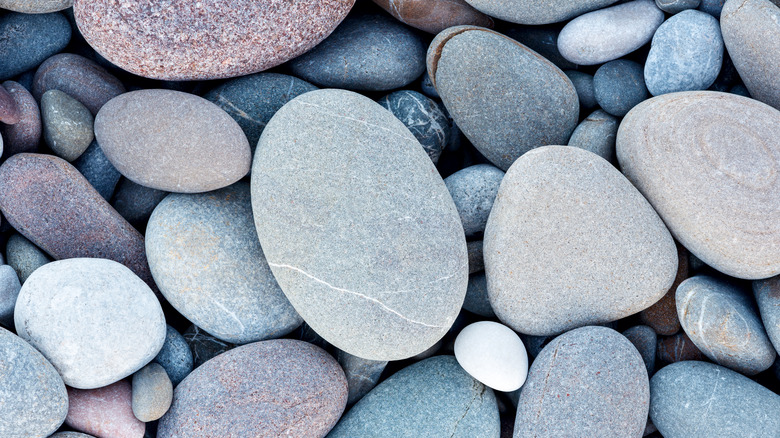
(570, 242)
(707, 162)
(52, 204)
(751, 31)
(535, 12)
(722, 321)
(24, 256)
(698, 400)
(173, 141)
(678, 348)
(473, 190)
(67, 125)
(537, 104)
(645, 340)
(252, 100)
(24, 135)
(493, 354)
(619, 86)
(676, 6)
(9, 110)
(206, 259)
(28, 39)
(136, 202)
(583, 83)
(33, 401)
(434, 16)
(587, 382)
(266, 389)
(477, 300)
(79, 78)
(371, 52)
(224, 39)
(104, 412)
(423, 117)
(175, 356)
(662, 316)
(476, 261)
(152, 392)
(767, 294)
(430, 398)
(94, 319)
(35, 6)
(203, 346)
(686, 54)
(610, 33)
(388, 274)
(362, 374)
(96, 168)
(9, 290)
(597, 134)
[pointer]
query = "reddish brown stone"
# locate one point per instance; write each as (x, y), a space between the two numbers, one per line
(205, 39)
(662, 316)
(79, 78)
(104, 412)
(24, 135)
(9, 111)
(48, 201)
(678, 348)
(434, 16)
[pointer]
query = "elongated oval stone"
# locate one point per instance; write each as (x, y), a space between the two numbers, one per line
(708, 162)
(570, 242)
(357, 226)
(537, 12)
(172, 141)
(434, 15)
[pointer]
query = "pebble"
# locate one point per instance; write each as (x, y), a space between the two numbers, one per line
(570, 242)
(751, 31)
(382, 283)
(477, 300)
(97, 170)
(726, 151)
(698, 399)
(9, 110)
(712, 7)
(424, 118)
(533, 12)
(619, 86)
(369, 53)
(476, 262)
(610, 33)
(135, 202)
(267, 388)
(252, 100)
(676, 6)
(678, 348)
(24, 256)
(662, 316)
(426, 85)
(225, 39)
(433, 397)
(67, 125)
(136, 131)
(767, 294)
(590, 381)
(35, 6)
(34, 401)
(94, 319)
(721, 320)
(473, 190)
(362, 374)
(433, 16)
(105, 412)
(24, 135)
(533, 90)
(206, 259)
(597, 134)
(28, 39)
(9, 291)
(686, 54)
(152, 393)
(203, 346)
(493, 354)
(542, 40)
(583, 83)
(52, 204)
(645, 340)
(175, 356)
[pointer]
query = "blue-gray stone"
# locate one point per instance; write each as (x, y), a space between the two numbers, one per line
(767, 293)
(645, 340)
(424, 118)
(477, 300)
(740, 90)
(583, 83)
(695, 399)
(426, 85)
(24, 256)
(723, 323)
(252, 100)
(175, 356)
(362, 374)
(619, 86)
(136, 202)
(28, 39)
(9, 291)
(203, 346)
(597, 134)
(96, 168)
(676, 6)
(372, 53)
(431, 398)
(542, 40)
(712, 7)
(474, 189)
(685, 55)
(33, 399)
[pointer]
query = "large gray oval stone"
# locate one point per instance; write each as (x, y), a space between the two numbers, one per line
(537, 12)
(358, 226)
(570, 242)
(205, 258)
(709, 163)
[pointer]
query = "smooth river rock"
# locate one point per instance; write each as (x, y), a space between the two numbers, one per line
(767, 294)
(67, 125)
(152, 392)
(173, 141)
(96, 168)
(677, 6)
(104, 412)
(9, 110)
(434, 16)
(28, 39)
(35, 6)
(493, 354)
(175, 356)
(389, 270)
(94, 319)
(206, 259)
(474, 190)
(570, 242)
(223, 39)
(587, 382)
(424, 117)
(708, 163)
(24, 135)
(619, 86)
(24, 256)
(597, 134)
(511, 103)
(645, 340)
(535, 12)
(264, 389)
(9, 291)
(362, 374)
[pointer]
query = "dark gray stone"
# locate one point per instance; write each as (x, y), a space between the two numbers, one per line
(476, 261)
(28, 39)
(676, 6)
(9, 291)
(203, 346)
(712, 7)
(645, 340)
(67, 125)
(424, 118)
(96, 168)
(597, 134)
(473, 190)
(619, 86)
(477, 300)
(767, 293)
(427, 86)
(534, 12)
(175, 356)
(542, 40)
(136, 202)
(152, 392)
(362, 374)
(583, 83)
(24, 256)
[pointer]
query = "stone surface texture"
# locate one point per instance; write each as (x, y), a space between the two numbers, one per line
(105, 412)
(534, 12)
(433, 16)
(24, 135)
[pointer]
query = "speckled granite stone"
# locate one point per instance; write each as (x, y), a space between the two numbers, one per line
(535, 12)
(474, 190)
(9, 110)
(24, 135)
(104, 412)
(35, 6)
(434, 16)
(28, 39)
(24, 256)
(9, 291)
(619, 86)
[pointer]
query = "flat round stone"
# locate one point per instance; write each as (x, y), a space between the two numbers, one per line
(619, 86)
(434, 16)
(535, 12)
(152, 392)
(493, 354)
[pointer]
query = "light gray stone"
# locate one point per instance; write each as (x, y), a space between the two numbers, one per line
(535, 12)
(24, 256)
(362, 374)
(767, 294)
(597, 134)
(68, 127)
(36, 6)
(473, 190)
(9, 290)
(152, 392)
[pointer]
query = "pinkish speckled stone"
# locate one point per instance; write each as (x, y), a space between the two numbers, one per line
(24, 135)
(205, 39)
(9, 111)
(104, 412)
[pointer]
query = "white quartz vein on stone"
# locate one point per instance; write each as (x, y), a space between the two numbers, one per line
(326, 111)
